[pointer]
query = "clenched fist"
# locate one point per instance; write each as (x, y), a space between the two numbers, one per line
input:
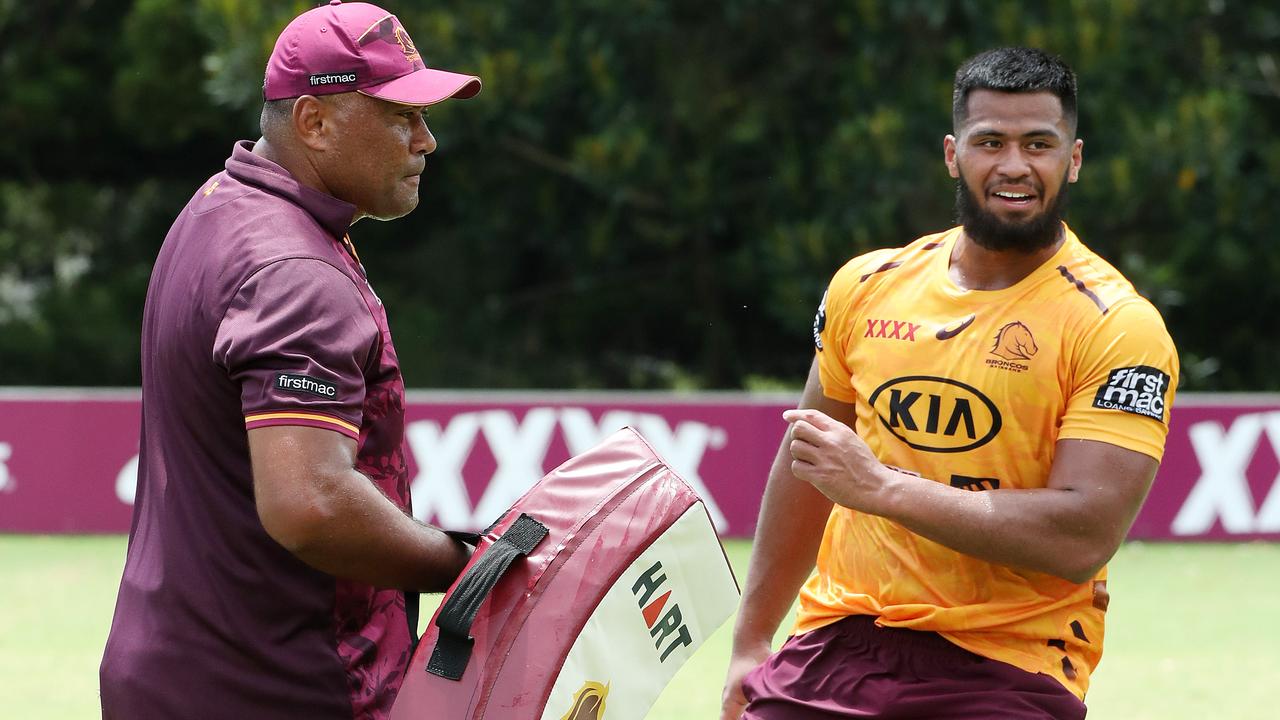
(829, 455)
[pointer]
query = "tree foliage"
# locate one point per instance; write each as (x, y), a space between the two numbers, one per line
(647, 193)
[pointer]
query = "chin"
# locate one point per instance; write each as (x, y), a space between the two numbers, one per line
(409, 205)
(1029, 233)
(393, 213)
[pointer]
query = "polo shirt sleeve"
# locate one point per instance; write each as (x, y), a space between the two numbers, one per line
(834, 324)
(297, 338)
(1126, 375)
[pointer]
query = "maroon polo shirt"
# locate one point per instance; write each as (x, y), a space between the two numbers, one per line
(257, 314)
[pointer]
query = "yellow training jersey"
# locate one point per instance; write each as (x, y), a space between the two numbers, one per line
(973, 388)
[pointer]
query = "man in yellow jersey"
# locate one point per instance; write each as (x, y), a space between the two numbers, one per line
(983, 419)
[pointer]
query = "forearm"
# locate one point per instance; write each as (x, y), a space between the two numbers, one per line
(1070, 527)
(353, 531)
(1044, 529)
(793, 515)
(312, 500)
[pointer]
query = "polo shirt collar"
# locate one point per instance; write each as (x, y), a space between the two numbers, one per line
(334, 215)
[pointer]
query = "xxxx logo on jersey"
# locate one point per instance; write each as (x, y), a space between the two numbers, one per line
(891, 329)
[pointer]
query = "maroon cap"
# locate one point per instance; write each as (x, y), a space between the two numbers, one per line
(341, 47)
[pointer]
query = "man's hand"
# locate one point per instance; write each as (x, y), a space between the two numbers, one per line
(792, 516)
(733, 702)
(830, 456)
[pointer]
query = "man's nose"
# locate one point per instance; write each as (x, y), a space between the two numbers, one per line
(1013, 163)
(423, 141)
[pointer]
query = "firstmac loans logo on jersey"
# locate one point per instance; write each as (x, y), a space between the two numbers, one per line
(306, 384)
(1140, 390)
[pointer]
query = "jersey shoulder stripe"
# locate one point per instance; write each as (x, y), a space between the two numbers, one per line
(311, 419)
(1079, 285)
(1096, 280)
(875, 263)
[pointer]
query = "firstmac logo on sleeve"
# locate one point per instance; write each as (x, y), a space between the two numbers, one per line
(304, 384)
(1140, 390)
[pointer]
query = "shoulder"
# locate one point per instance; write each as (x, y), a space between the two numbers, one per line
(1102, 295)
(302, 284)
(247, 226)
(872, 267)
(269, 233)
(1115, 325)
(1096, 285)
(299, 303)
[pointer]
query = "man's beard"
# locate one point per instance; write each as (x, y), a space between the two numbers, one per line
(990, 232)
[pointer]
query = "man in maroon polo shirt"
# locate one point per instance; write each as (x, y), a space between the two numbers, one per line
(272, 545)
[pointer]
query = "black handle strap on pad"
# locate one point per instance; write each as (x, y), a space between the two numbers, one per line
(453, 648)
(473, 538)
(470, 538)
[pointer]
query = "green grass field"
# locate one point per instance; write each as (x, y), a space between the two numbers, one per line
(1193, 632)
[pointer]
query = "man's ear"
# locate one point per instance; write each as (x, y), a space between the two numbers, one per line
(312, 122)
(1077, 158)
(949, 155)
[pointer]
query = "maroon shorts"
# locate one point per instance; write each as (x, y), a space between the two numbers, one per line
(854, 669)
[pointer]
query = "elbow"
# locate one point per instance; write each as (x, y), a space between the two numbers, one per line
(298, 528)
(1084, 565)
(1078, 576)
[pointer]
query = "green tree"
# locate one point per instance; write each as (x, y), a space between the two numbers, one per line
(648, 193)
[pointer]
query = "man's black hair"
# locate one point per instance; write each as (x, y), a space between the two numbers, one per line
(275, 117)
(1014, 70)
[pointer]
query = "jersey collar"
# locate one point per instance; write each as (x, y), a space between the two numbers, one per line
(334, 215)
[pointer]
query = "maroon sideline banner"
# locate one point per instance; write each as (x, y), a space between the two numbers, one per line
(68, 458)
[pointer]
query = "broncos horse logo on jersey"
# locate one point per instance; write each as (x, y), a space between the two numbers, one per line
(1015, 342)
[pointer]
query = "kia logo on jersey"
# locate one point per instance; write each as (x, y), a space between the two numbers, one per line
(936, 414)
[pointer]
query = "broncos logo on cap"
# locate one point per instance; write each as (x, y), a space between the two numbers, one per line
(388, 30)
(1015, 342)
(588, 703)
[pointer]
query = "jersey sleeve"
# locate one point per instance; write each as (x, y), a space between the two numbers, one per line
(296, 339)
(1126, 375)
(833, 325)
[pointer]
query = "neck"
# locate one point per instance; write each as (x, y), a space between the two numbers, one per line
(298, 164)
(974, 267)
